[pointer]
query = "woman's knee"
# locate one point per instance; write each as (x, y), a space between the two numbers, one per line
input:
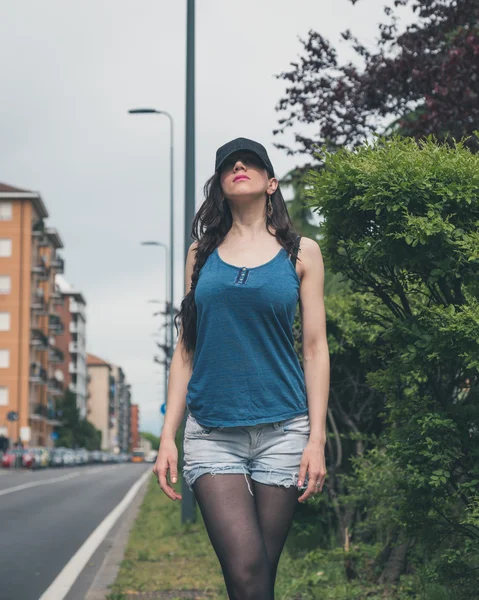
(250, 579)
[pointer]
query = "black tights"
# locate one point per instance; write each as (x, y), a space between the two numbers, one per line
(247, 533)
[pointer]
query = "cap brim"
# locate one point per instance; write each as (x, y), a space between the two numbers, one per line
(245, 150)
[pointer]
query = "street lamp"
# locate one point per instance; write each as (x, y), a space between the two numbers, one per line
(136, 111)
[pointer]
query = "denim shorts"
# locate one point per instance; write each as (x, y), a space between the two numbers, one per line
(270, 453)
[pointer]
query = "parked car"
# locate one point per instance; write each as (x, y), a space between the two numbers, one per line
(12, 458)
(42, 458)
(151, 456)
(69, 458)
(56, 457)
(96, 456)
(28, 459)
(82, 456)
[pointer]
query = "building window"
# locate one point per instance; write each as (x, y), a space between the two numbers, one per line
(4, 321)
(6, 211)
(4, 359)
(5, 284)
(3, 395)
(5, 247)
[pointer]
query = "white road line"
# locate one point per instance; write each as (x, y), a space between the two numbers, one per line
(68, 575)
(24, 486)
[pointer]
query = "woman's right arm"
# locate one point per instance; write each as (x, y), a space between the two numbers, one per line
(180, 374)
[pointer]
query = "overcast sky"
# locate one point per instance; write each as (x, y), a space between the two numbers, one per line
(71, 70)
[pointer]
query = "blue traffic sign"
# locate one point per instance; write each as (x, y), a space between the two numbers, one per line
(163, 409)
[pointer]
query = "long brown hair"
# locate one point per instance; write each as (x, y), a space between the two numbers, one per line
(210, 226)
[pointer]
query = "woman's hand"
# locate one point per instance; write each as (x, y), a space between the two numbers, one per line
(313, 462)
(167, 460)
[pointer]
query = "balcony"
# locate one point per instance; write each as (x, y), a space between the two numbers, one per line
(77, 308)
(39, 305)
(72, 368)
(55, 325)
(56, 355)
(37, 374)
(56, 298)
(73, 348)
(38, 230)
(58, 264)
(37, 412)
(40, 269)
(39, 340)
(55, 387)
(40, 412)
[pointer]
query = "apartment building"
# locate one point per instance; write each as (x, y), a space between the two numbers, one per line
(108, 403)
(101, 398)
(121, 419)
(30, 381)
(135, 424)
(73, 343)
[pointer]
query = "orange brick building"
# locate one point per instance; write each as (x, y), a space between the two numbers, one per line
(134, 426)
(30, 381)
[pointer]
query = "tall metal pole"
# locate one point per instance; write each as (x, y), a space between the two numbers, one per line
(188, 503)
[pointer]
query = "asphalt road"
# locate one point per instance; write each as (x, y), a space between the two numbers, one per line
(42, 526)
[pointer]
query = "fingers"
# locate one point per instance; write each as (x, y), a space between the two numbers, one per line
(161, 470)
(173, 471)
(315, 485)
(303, 467)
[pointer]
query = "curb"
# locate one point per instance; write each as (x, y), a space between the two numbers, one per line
(110, 566)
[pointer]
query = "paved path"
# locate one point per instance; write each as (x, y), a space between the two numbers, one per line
(47, 515)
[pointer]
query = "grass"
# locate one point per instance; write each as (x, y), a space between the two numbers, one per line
(178, 560)
(162, 554)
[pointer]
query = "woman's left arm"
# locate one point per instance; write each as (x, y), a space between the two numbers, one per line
(315, 364)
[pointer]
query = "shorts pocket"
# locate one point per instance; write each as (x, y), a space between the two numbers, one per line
(299, 424)
(194, 428)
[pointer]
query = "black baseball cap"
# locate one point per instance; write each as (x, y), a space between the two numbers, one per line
(243, 144)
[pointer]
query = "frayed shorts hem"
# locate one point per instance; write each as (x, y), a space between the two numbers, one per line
(271, 477)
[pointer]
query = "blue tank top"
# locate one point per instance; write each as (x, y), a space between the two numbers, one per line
(245, 368)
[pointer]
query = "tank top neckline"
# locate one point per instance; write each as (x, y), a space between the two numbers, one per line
(277, 255)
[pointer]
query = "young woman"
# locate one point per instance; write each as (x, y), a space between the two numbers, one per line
(256, 429)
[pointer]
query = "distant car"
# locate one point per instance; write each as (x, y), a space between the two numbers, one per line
(28, 459)
(12, 456)
(151, 456)
(138, 455)
(81, 456)
(56, 457)
(69, 458)
(96, 456)
(41, 458)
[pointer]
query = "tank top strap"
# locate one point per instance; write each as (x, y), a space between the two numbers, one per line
(294, 254)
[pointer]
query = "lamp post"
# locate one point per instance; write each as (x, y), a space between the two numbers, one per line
(188, 504)
(136, 111)
(170, 342)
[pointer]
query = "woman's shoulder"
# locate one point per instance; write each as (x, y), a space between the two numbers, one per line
(309, 253)
(308, 246)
